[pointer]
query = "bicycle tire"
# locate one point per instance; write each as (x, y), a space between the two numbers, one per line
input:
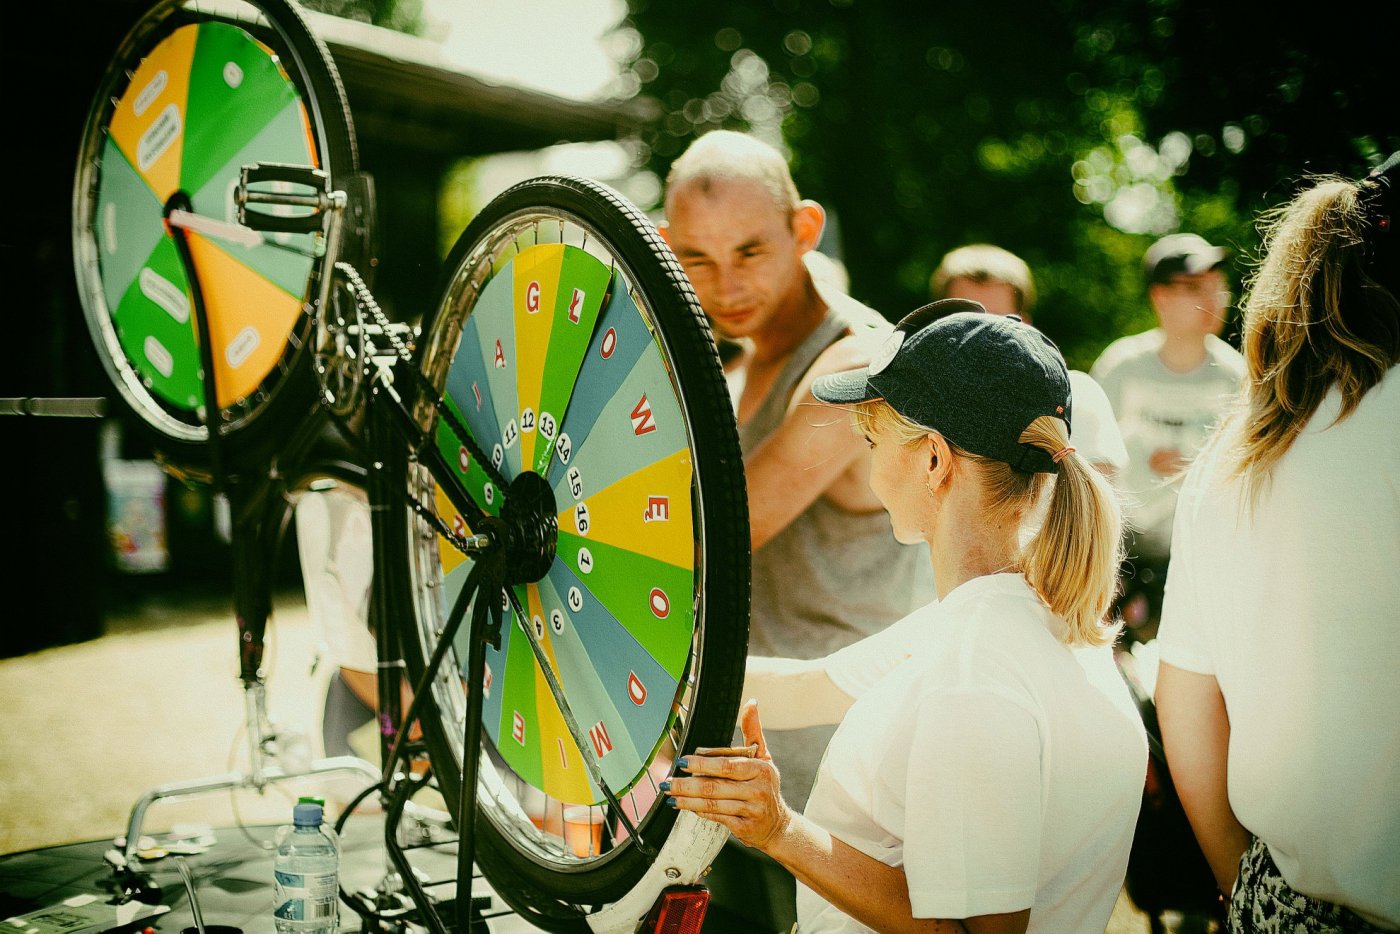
(188, 98)
(674, 368)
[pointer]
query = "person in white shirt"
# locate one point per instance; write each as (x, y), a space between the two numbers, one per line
(991, 780)
(1277, 691)
(1168, 386)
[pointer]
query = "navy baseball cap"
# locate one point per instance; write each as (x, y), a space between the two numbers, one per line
(975, 378)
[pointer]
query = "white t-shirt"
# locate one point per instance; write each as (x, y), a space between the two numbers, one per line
(1000, 768)
(1094, 429)
(337, 562)
(1158, 408)
(1295, 609)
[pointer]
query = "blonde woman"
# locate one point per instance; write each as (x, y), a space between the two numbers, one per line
(1278, 693)
(990, 780)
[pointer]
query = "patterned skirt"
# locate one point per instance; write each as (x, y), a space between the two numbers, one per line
(1263, 903)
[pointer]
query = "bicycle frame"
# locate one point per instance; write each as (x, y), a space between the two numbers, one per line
(389, 429)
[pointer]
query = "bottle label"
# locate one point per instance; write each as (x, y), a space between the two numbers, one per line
(308, 896)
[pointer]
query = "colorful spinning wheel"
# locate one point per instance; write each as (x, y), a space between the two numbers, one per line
(187, 102)
(578, 379)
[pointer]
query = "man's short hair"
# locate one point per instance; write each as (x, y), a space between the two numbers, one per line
(724, 155)
(982, 262)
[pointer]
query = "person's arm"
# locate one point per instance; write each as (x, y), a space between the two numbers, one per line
(795, 693)
(744, 795)
(874, 894)
(807, 453)
(1196, 735)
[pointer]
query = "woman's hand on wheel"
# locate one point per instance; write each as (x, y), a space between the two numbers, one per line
(741, 792)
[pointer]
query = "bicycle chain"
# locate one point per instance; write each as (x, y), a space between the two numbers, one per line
(365, 298)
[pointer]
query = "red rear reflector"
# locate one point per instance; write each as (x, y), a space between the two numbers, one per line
(679, 910)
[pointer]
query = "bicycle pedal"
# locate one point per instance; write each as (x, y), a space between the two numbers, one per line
(302, 188)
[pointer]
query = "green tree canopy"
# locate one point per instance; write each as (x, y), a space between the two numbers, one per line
(1069, 132)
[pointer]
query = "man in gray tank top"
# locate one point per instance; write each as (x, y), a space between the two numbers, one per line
(827, 570)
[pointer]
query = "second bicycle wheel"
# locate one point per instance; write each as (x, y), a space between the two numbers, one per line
(569, 354)
(193, 94)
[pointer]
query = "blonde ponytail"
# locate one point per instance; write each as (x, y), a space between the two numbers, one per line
(1072, 561)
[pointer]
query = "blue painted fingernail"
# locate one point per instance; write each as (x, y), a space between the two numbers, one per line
(671, 802)
(682, 762)
(665, 786)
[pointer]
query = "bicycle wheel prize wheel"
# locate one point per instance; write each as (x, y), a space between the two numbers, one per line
(187, 101)
(578, 383)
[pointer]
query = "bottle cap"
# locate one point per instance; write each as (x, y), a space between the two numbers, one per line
(306, 815)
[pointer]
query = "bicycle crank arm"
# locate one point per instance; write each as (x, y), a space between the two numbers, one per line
(212, 227)
(287, 186)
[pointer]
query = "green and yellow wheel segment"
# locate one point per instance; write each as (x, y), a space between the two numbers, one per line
(555, 350)
(207, 99)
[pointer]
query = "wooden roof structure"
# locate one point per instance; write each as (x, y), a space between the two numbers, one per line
(403, 88)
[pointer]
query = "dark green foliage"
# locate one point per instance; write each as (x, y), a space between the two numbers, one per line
(922, 127)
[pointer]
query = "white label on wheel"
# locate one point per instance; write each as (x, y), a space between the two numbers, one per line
(575, 482)
(636, 690)
(158, 356)
(556, 620)
(585, 561)
(643, 421)
(498, 454)
(575, 599)
(109, 227)
(539, 626)
(169, 296)
(242, 346)
(159, 137)
(547, 426)
(150, 92)
(511, 434)
(581, 518)
(565, 447)
(527, 420)
(488, 493)
(464, 458)
(658, 509)
(660, 603)
(233, 75)
(602, 742)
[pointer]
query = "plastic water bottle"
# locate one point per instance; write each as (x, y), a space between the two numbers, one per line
(307, 874)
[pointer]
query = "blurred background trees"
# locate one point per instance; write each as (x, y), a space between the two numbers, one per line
(1070, 132)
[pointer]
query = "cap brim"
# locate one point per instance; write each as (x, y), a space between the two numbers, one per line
(1204, 260)
(845, 388)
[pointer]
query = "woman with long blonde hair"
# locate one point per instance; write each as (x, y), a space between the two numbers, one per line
(1278, 691)
(990, 780)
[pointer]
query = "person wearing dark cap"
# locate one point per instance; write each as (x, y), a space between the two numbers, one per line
(1168, 387)
(1277, 693)
(992, 777)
